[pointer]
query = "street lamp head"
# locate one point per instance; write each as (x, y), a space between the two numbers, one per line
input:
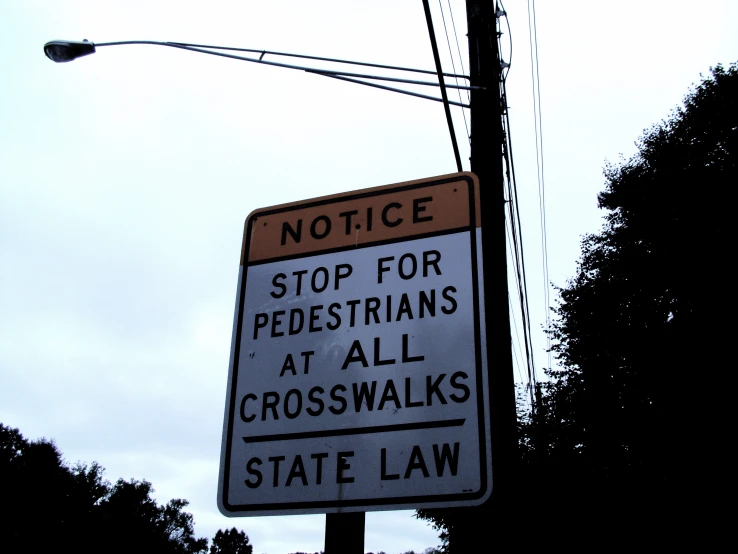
(66, 50)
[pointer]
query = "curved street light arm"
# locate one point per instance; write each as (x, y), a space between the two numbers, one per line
(65, 51)
(317, 71)
(289, 55)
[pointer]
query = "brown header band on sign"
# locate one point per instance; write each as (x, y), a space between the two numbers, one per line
(361, 217)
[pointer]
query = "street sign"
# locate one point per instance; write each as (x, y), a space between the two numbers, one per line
(358, 371)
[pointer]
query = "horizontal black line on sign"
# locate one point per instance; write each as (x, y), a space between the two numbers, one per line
(465, 228)
(358, 431)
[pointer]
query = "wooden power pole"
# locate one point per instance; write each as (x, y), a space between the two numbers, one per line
(493, 522)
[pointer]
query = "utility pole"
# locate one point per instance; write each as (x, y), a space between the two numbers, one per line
(496, 518)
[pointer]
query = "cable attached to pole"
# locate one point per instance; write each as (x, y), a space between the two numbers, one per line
(446, 106)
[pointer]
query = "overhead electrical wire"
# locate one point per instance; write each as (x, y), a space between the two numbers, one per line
(514, 222)
(538, 124)
(517, 274)
(453, 65)
(447, 108)
(456, 38)
(519, 256)
(516, 342)
(513, 229)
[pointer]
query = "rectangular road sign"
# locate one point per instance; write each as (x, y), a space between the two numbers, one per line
(358, 370)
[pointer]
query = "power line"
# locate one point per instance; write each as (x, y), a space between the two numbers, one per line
(517, 251)
(538, 127)
(453, 65)
(456, 37)
(447, 109)
(515, 324)
(518, 259)
(513, 267)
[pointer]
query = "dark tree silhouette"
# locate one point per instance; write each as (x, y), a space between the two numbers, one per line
(641, 329)
(140, 524)
(231, 541)
(81, 512)
(35, 480)
(629, 439)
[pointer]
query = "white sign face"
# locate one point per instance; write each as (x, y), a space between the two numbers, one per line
(358, 376)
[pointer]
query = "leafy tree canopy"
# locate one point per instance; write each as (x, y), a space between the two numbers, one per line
(629, 425)
(231, 541)
(629, 436)
(637, 326)
(83, 513)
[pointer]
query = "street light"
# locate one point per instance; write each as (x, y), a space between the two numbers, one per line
(65, 51)
(61, 51)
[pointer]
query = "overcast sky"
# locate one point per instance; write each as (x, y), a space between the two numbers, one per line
(126, 176)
